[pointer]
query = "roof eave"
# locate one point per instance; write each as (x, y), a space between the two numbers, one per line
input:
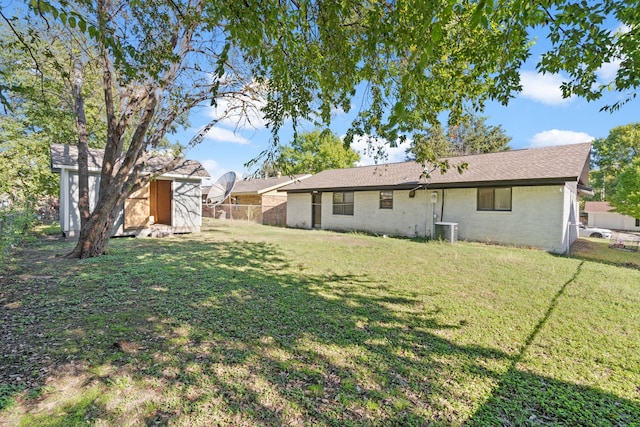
(444, 185)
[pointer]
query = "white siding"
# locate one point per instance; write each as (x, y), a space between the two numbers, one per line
(187, 205)
(70, 214)
(407, 218)
(536, 218)
(544, 217)
(612, 220)
(299, 210)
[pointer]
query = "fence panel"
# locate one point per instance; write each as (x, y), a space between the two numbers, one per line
(248, 213)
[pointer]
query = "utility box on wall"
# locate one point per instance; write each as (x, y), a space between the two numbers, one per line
(446, 231)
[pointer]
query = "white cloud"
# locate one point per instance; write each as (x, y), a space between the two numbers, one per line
(378, 151)
(221, 134)
(215, 170)
(622, 29)
(559, 137)
(607, 72)
(543, 88)
(212, 167)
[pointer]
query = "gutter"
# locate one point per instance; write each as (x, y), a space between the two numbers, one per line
(585, 191)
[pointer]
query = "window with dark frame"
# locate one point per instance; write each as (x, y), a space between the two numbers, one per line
(637, 222)
(494, 199)
(343, 203)
(386, 199)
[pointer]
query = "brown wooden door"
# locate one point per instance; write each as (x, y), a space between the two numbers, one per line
(137, 209)
(161, 195)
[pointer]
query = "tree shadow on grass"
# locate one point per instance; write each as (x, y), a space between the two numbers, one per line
(525, 399)
(188, 332)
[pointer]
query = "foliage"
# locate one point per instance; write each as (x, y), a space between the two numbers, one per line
(432, 142)
(15, 224)
(582, 42)
(301, 60)
(626, 199)
(470, 136)
(36, 110)
(289, 327)
(313, 152)
(473, 136)
(610, 156)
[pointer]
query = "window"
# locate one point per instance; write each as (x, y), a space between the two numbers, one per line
(494, 199)
(386, 200)
(343, 203)
(637, 222)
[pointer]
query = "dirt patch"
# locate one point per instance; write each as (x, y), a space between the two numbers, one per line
(581, 245)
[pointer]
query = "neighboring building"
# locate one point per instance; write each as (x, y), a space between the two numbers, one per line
(259, 198)
(600, 214)
(522, 197)
(172, 202)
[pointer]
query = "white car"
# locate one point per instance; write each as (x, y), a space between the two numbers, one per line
(586, 231)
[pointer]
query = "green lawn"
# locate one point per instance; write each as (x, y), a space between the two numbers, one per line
(252, 325)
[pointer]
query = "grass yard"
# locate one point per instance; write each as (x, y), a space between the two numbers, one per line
(248, 325)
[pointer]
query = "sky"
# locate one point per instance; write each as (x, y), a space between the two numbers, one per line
(538, 116)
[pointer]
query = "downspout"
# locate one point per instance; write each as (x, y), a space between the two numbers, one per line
(426, 219)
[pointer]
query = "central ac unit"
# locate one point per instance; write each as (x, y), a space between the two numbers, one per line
(446, 231)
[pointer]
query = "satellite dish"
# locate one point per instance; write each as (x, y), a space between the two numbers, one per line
(221, 189)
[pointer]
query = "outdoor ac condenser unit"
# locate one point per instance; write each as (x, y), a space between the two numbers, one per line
(446, 231)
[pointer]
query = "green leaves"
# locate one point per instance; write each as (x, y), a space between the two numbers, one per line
(610, 156)
(584, 39)
(627, 196)
(313, 152)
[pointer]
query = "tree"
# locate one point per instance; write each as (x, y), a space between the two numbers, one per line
(473, 136)
(470, 136)
(582, 43)
(610, 156)
(38, 109)
(626, 199)
(313, 152)
(159, 60)
(432, 142)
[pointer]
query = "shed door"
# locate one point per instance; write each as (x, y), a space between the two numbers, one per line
(136, 209)
(316, 210)
(161, 201)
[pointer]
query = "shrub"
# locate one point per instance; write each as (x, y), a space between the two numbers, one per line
(15, 224)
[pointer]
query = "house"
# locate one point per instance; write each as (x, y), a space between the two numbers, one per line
(600, 214)
(523, 197)
(171, 203)
(259, 199)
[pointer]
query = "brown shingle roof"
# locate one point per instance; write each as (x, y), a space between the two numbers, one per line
(263, 185)
(556, 164)
(67, 156)
(597, 207)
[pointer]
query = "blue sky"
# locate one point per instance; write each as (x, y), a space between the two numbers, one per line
(536, 117)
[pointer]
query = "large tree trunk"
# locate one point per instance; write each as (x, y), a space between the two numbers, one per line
(94, 235)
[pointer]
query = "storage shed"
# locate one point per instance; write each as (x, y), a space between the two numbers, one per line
(172, 203)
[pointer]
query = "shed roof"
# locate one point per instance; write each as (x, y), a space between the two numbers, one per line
(533, 166)
(597, 207)
(66, 156)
